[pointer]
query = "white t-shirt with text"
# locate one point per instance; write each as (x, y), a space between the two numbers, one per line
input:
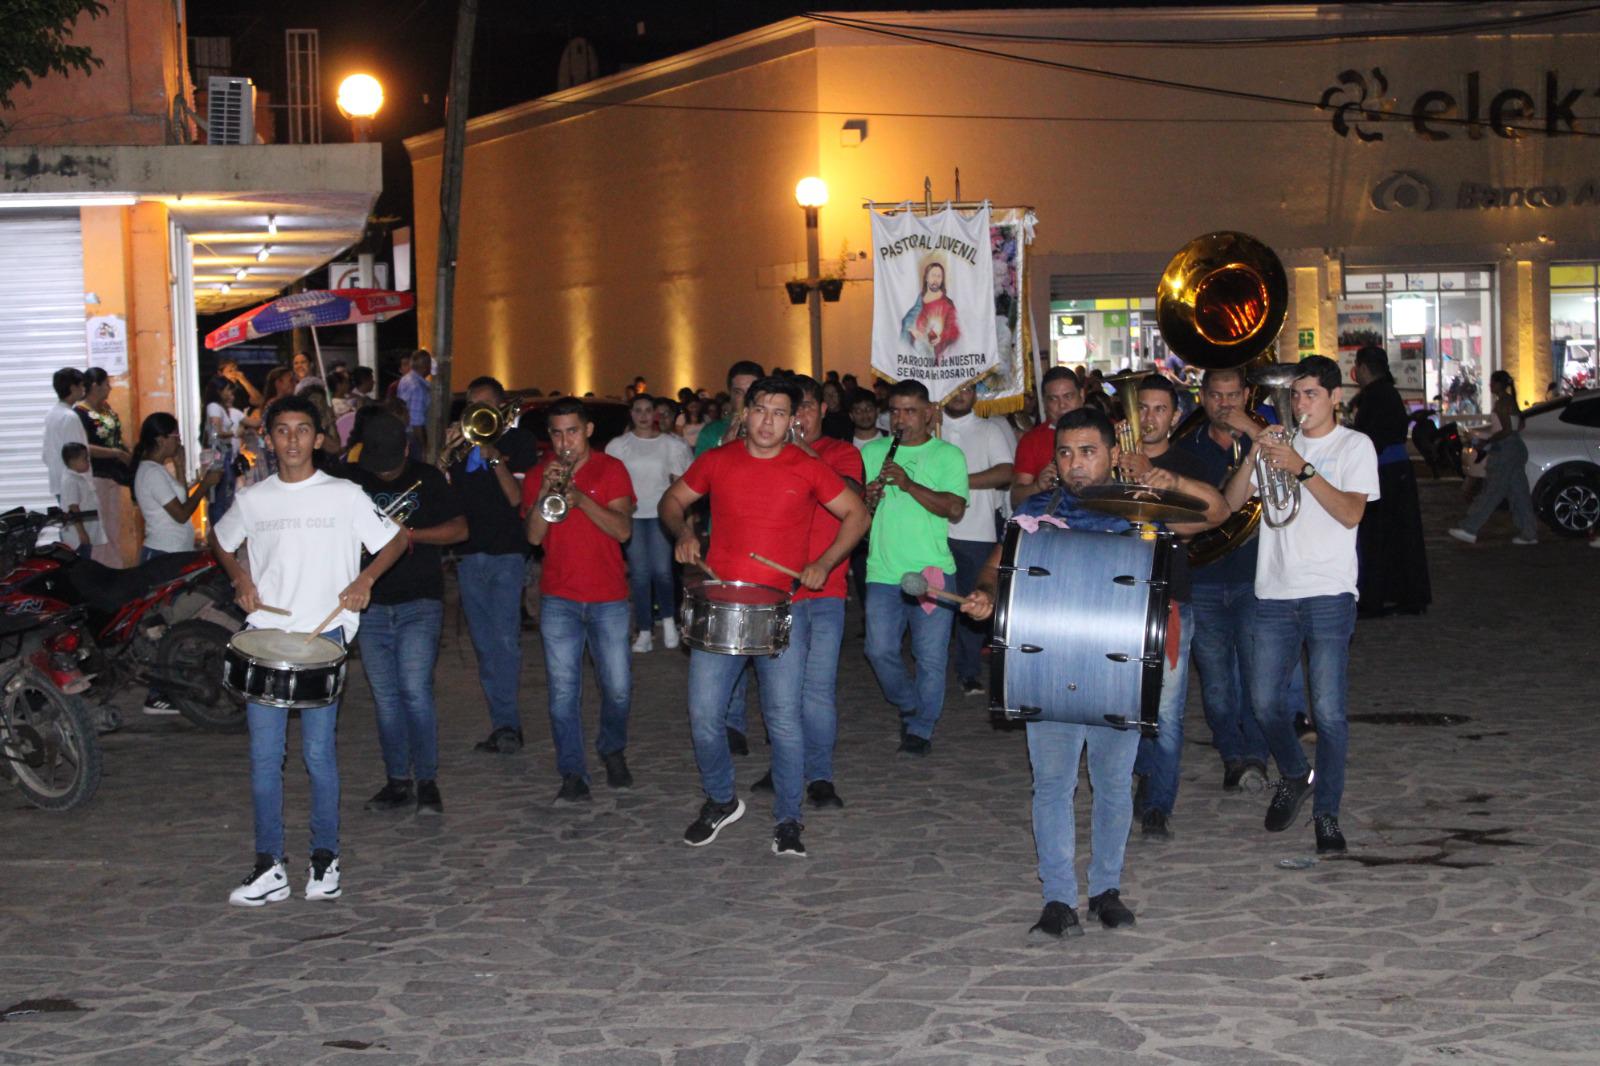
(304, 545)
(153, 486)
(986, 442)
(652, 464)
(1315, 555)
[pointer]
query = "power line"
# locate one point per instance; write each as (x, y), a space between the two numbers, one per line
(1167, 83)
(1478, 26)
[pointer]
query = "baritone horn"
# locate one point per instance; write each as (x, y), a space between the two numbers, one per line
(1130, 434)
(1279, 489)
(481, 423)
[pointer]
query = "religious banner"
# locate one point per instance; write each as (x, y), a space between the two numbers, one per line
(1001, 390)
(933, 298)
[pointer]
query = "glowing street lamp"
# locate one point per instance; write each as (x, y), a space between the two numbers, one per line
(811, 194)
(360, 98)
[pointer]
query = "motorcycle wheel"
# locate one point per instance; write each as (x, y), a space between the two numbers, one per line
(47, 745)
(196, 650)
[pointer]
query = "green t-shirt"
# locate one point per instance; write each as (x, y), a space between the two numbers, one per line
(710, 436)
(906, 537)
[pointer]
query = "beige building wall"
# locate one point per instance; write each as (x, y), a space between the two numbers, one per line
(633, 241)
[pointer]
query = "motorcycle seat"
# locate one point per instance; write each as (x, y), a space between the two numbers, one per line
(106, 588)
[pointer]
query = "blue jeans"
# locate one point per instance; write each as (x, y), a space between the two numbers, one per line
(1054, 749)
(649, 573)
(970, 636)
(269, 728)
(819, 711)
(1223, 615)
(1159, 755)
(782, 677)
(890, 613)
(739, 703)
(399, 644)
(1324, 624)
(568, 626)
(491, 596)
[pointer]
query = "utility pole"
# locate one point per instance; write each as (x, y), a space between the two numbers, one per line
(444, 292)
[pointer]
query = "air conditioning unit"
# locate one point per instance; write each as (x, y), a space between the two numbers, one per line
(230, 111)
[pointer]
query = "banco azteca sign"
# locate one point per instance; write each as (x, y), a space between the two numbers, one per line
(1362, 106)
(1407, 190)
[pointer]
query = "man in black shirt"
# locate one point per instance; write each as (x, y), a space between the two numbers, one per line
(1394, 562)
(1157, 765)
(399, 634)
(492, 564)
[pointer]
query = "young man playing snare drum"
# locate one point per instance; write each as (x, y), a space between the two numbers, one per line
(304, 533)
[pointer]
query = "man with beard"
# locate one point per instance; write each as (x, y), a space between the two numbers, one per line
(1394, 562)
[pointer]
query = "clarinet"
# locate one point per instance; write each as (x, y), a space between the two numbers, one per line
(894, 446)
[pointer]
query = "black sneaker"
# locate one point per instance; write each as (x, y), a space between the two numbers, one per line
(1153, 826)
(713, 818)
(428, 799)
(822, 794)
(393, 795)
(1330, 841)
(503, 741)
(737, 744)
(1058, 922)
(574, 789)
(1288, 797)
(1110, 909)
(617, 773)
(912, 744)
(786, 840)
(971, 686)
(1141, 794)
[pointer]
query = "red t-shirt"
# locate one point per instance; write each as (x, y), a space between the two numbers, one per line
(1035, 450)
(581, 561)
(760, 505)
(844, 459)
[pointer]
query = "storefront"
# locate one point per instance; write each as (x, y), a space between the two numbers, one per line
(1574, 306)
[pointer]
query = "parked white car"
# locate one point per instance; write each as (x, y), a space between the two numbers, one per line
(1563, 439)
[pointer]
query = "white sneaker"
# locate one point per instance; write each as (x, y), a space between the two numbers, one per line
(267, 883)
(643, 642)
(1463, 536)
(325, 886)
(669, 634)
(159, 706)
(1523, 541)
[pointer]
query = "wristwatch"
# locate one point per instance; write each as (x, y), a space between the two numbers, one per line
(1306, 473)
(493, 463)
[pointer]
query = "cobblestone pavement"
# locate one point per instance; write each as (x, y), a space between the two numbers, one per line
(1461, 929)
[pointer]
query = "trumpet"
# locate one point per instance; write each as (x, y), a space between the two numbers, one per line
(1279, 489)
(553, 504)
(481, 423)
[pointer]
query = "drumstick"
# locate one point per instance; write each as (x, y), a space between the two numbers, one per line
(779, 567)
(916, 586)
(387, 511)
(273, 610)
(712, 574)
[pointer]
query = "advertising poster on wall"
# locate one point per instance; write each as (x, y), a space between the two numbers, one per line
(1360, 323)
(933, 298)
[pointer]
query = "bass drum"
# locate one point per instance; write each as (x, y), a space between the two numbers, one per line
(1080, 626)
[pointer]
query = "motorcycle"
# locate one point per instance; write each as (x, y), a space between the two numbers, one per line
(164, 623)
(48, 744)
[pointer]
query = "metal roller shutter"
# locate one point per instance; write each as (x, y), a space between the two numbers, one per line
(1103, 286)
(41, 330)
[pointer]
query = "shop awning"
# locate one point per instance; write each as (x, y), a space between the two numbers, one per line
(300, 205)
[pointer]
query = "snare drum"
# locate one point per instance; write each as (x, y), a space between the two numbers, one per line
(278, 669)
(736, 618)
(1080, 626)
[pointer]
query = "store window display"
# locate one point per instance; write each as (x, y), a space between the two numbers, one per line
(1574, 299)
(1437, 326)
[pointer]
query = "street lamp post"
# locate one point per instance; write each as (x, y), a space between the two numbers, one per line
(360, 98)
(811, 194)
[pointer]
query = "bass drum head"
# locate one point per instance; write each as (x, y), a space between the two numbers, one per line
(280, 648)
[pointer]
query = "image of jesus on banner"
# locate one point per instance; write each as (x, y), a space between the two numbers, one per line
(931, 327)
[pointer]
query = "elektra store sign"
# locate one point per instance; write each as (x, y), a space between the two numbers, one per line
(1407, 190)
(1360, 105)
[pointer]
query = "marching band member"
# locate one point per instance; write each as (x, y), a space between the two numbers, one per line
(305, 531)
(1306, 591)
(819, 712)
(915, 497)
(400, 627)
(763, 493)
(1157, 765)
(491, 565)
(583, 594)
(1034, 469)
(1086, 455)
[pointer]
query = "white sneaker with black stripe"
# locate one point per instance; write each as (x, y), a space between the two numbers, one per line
(267, 883)
(322, 876)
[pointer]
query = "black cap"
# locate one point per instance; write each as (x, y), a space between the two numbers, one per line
(383, 444)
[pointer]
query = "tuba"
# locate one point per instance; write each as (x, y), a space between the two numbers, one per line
(1220, 306)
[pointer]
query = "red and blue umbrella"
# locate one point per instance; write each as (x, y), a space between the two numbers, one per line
(337, 307)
